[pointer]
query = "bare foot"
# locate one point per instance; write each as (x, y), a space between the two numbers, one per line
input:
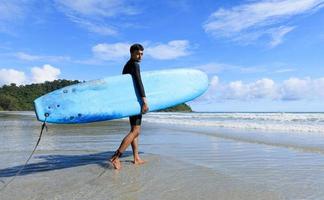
(116, 163)
(139, 161)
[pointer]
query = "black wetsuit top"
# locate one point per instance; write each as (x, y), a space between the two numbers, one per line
(132, 67)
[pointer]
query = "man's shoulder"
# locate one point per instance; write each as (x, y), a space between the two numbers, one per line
(133, 62)
(131, 67)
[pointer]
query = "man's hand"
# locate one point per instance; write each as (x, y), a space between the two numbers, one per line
(145, 107)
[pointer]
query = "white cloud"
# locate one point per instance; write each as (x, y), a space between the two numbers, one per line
(99, 28)
(251, 70)
(95, 27)
(119, 51)
(213, 68)
(213, 87)
(10, 10)
(289, 90)
(11, 13)
(318, 87)
(277, 35)
(171, 50)
(236, 90)
(180, 5)
(25, 56)
(8, 76)
(45, 73)
(251, 21)
(94, 15)
(30, 57)
(37, 75)
(263, 88)
(284, 70)
(99, 8)
(116, 51)
(214, 81)
(295, 88)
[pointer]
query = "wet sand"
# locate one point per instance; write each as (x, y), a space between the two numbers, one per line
(160, 178)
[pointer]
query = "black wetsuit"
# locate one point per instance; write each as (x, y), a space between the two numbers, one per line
(132, 67)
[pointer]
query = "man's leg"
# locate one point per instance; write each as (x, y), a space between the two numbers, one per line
(128, 139)
(137, 159)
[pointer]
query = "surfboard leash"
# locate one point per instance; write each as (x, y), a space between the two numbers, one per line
(44, 126)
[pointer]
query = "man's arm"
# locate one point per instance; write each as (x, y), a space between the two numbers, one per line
(140, 87)
(138, 80)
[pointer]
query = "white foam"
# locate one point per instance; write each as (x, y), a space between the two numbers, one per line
(287, 122)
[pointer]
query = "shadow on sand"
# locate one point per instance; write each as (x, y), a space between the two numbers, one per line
(55, 162)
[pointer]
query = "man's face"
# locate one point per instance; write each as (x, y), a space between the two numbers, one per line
(137, 55)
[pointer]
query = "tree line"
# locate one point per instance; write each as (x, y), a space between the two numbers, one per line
(13, 97)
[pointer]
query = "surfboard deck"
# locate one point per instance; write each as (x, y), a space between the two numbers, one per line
(116, 96)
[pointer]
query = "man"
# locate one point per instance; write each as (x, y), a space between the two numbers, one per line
(132, 67)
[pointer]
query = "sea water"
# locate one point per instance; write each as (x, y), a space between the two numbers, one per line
(288, 122)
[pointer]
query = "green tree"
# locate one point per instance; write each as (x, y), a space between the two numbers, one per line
(13, 97)
(178, 108)
(8, 102)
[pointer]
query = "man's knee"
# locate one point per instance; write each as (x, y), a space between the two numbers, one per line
(136, 130)
(135, 133)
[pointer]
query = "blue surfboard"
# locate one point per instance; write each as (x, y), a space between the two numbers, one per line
(116, 96)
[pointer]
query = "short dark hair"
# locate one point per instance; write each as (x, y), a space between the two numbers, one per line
(136, 47)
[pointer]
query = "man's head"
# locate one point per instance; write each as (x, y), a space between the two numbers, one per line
(136, 51)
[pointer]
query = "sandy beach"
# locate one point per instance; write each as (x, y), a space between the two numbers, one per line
(160, 178)
(183, 162)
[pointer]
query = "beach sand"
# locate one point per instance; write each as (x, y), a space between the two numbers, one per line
(182, 163)
(160, 178)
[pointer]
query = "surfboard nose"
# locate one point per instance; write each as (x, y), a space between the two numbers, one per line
(204, 80)
(199, 80)
(40, 114)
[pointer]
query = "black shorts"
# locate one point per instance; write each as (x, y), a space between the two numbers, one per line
(135, 120)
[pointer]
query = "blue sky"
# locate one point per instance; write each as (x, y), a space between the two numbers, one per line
(264, 55)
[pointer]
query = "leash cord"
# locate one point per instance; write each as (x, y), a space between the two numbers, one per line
(30, 156)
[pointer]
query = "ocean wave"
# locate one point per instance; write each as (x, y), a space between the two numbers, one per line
(290, 122)
(297, 117)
